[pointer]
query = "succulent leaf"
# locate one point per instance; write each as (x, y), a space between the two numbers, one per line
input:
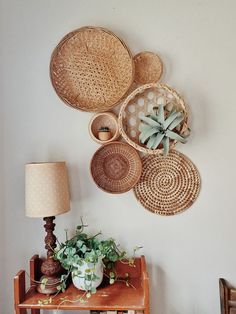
(150, 121)
(158, 140)
(175, 136)
(161, 114)
(152, 116)
(176, 122)
(166, 145)
(151, 141)
(172, 116)
(146, 134)
(144, 127)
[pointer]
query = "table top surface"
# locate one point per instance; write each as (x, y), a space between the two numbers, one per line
(117, 296)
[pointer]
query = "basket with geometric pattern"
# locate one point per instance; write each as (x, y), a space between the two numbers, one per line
(142, 102)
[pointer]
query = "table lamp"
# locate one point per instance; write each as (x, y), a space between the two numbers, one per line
(46, 196)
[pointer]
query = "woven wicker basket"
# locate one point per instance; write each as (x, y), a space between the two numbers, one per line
(141, 103)
(91, 69)
(148, 67)
(116, 167)
(104, 119)
(168, 185)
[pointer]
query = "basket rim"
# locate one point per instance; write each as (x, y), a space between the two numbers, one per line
(137, 91)
(113, 117)
(66, 38)
(138, 174)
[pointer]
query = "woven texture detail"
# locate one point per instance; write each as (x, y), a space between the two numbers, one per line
(168, 185)
(141, 103)
(91, 69)
(116, 167)
(148, 67)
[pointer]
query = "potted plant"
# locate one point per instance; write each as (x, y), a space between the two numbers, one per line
(104, 133)
(160, 128)
(86, 257)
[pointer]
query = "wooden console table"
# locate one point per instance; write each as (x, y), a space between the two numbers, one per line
(108, 297)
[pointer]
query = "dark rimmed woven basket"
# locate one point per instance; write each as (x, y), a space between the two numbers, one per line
(116, 167)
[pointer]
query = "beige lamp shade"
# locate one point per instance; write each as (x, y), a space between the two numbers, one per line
(46, 189)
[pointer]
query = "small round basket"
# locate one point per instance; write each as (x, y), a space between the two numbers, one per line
(141, 102)
(148, 67)
(91, 69)
(101, 120)
(116, 167)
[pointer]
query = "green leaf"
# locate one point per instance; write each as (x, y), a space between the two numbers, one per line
(146, 134)
(150, 121)
(161, 115)
(111, 274)
(79, 243)
(171, 117)
(175, 136)
(176, 122)
(84, 248)
(153, 116)
(158, 140)
(151, 141)
(166, 145)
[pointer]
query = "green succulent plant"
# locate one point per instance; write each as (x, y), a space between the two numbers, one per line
(159, 129)
(104, 129)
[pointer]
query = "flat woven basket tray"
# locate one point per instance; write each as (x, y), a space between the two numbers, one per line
(91, 69)
(116, 167)
(141, 103)
(168, 185)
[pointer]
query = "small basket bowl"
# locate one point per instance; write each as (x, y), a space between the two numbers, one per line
(105, 119)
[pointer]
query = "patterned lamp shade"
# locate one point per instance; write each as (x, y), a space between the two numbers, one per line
(46, 189)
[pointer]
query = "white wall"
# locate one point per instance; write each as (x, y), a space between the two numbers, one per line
(186, 253)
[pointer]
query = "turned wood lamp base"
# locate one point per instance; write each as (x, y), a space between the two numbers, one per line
(50, 268)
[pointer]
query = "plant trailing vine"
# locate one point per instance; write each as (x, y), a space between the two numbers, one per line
(159, 129)
(84, 248)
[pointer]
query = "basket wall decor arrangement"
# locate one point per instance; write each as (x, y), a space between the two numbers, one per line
(104, 119)
(141, 103)
(91, 69)
(116, 167)
(168, 185)
(148, 67)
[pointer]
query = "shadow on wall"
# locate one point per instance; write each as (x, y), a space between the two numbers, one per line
(158, 299)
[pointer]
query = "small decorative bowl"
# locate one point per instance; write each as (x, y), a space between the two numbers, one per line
(103, 128)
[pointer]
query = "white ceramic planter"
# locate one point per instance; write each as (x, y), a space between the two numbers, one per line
(80, 282)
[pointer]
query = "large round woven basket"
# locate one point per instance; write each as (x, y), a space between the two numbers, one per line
(91, 69)
(116, 167)
(168, 185)
(142, 102)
